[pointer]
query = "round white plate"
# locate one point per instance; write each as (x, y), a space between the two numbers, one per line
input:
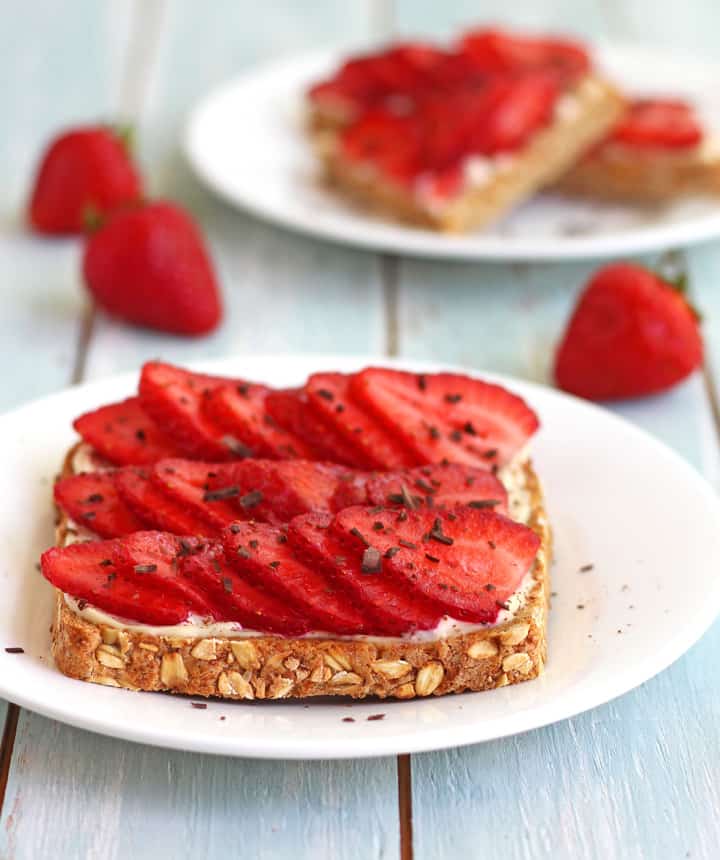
(246, 141)
(617, 499)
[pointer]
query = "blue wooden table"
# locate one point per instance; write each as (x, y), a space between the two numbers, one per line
(637, 778)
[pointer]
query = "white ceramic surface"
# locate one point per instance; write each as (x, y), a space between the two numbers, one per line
(618, 500)
(246, 141)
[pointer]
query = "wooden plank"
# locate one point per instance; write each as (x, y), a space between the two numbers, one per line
(506, 795)
(284, 294)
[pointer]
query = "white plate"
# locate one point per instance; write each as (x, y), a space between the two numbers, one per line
(246, 141)
(617, 499)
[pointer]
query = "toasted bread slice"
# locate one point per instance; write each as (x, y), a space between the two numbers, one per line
(636, 175)
(583, 116)
(103, 651)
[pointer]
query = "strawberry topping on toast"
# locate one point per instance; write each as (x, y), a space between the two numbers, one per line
(125, 434)
(468, 561)
(448, 417)
(92, 501)
(263, 553)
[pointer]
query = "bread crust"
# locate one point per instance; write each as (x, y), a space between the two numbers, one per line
(595, 108)
(271, 667)
(630, 174)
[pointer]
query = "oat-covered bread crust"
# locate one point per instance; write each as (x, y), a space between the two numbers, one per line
(271, 667)
(595, 107)
(621, 173)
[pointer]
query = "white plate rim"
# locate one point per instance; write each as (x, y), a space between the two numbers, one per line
(683, 638)
(368, 234)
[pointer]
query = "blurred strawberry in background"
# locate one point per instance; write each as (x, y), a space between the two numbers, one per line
(631, 333)
(84, 172)
(149, 265)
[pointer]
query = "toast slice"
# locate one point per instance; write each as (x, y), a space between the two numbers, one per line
(634, 175)
(91, 646)
(492, 186)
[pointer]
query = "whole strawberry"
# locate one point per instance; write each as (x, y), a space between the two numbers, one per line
(149, 266)
(631, 334)
(84, 170)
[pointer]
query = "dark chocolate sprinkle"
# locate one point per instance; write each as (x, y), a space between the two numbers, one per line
(14, 650)
(235, 528)
(94, 498)
(227, 584)
(392, 551)
(325, 394)
(105, 562)
(432, 558)
(145, 568)
(371, 560)
(359, 535)
(200, 706)
(242, 552)
(374, 717)
(237, 447)
(490, 453)
(224, 493)
(407, 544)
(469, 429)
(483, 503)
(422, 382)
(251, 499)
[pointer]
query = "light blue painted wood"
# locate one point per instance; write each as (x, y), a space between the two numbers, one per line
(282, 294)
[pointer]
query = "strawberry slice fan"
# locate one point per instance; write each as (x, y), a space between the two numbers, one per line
(410, 526)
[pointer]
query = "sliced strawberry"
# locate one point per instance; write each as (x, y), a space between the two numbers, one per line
(394, 609)
(291, 410)
(283, 490)
(389, 142)
(156, 556)
(497, 52)
(174, 398)
(330, 396)
(440, 487)
(104, 574)
(158, 509)
(125, 434)
(447, 417)
(352, 488)
(240, 411)
(262, 552)
(92, 501)
(468, 561)
(663, 123)
(239, 600)
(206, 490)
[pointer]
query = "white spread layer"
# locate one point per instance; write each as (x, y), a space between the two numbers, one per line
(520, 509)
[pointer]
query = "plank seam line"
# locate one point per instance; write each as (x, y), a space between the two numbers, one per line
(7, 747)
(404, 780)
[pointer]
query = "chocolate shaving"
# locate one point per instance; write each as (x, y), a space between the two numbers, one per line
(94, 498)
(251, 499)
(14, 650)
(242, 552)
(235, 528)
(483, 503)
(224, 493)
(200, 706)
(424, 486)
(436, 533)
(243, 389)
(105, 562)
(469, 429)
(227, 584)
(489, 587)
(348, 719)
(407, 544)
(374, 717)
(237, 447)
(274, 565)
(371, 561)
(392, 551)
(282, 538)
(490, 453)
(432, 558)
(422, 382)
(253, 544)
(325, 394)
(359, 535)
(453, 398)
(145, 568)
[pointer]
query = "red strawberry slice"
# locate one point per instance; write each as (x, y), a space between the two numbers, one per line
(103, 573)
(663, 123)
(237, 599)
(291, 410)
(389, 142)
(240, 411)
(286, 489)
(92, 501)
(439, 487)
(208, 491)
(352, 488)
(495, 51)
(330, 396)
(392, 606)
(263, 553)
(125, 434)
(469, 561)
(174, 398)
(155, 507)
(446, 416)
